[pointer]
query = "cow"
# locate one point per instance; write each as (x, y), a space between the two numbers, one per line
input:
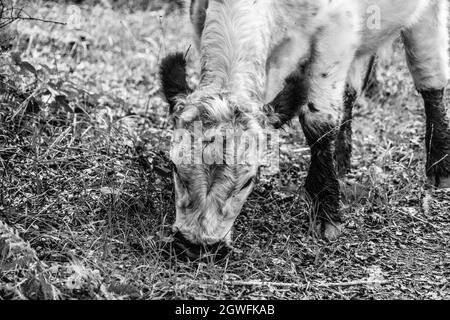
(264, 62)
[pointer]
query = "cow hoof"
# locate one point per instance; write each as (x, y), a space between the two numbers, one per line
(332, 231)
(328, 230)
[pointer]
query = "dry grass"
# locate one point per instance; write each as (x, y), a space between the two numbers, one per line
(86, 198)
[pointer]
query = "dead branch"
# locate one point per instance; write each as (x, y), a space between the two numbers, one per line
(9, 15)
(12, 19)
(258, 283)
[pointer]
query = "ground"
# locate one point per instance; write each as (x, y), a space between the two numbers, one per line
(86, 197)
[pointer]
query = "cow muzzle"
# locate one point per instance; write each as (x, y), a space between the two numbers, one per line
(185, 249)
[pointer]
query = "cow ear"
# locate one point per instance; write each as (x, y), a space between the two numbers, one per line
(173, 78)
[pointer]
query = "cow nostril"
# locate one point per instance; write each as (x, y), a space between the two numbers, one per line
(184, 248)
(219, 251)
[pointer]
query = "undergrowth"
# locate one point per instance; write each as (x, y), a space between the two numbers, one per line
(86, 196)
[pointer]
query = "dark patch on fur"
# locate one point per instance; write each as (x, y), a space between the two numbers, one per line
(437, 137)
(322, 184)
(296, 89)
(343, 143)
(173, 78)
(293, 95)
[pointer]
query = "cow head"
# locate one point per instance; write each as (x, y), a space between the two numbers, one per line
(220, 142)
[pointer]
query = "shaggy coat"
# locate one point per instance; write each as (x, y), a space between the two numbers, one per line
(265, 61)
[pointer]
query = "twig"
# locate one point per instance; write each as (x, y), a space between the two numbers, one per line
(290, 285)
(417, 218)
(19, 16)
(353, 283)
(34, 19)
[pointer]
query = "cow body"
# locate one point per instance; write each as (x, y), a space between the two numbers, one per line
(285, 31)
(305, 58)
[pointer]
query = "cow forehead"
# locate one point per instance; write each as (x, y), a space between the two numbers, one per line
(217, 108)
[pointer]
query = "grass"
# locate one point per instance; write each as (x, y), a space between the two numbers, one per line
(86, 202)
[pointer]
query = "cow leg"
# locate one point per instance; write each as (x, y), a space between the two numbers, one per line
(358, 79)
(343, 150)
(332, 54)
(426, 45)
(322, 185)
